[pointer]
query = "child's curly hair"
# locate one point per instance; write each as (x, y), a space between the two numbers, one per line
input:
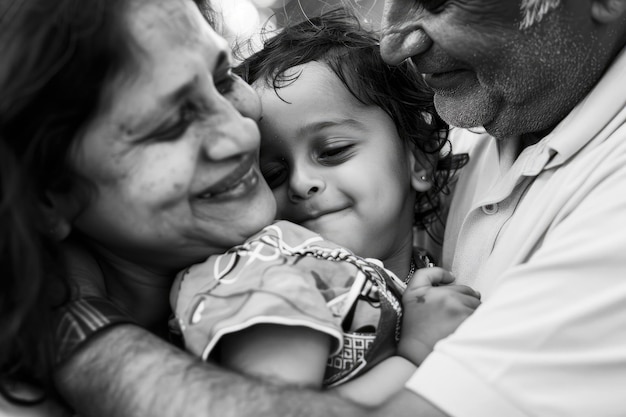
(352, 52)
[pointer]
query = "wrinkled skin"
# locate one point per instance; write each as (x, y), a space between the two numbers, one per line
(486, 71)
(173, 152)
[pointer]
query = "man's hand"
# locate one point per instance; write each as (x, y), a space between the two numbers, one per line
(433, 309)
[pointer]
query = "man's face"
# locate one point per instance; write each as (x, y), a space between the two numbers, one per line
(486, 70)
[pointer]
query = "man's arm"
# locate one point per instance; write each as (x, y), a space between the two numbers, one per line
(126, 371)
(552, 323)
(407, 404)
(380, 383)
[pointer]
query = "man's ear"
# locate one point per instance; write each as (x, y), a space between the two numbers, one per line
(421, 167)
(59, 211)
(607, 11)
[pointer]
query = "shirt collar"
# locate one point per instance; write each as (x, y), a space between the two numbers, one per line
(590, 116)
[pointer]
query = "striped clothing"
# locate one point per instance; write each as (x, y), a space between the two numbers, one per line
(80, 319)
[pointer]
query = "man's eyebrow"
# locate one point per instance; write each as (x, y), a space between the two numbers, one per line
(317, 126)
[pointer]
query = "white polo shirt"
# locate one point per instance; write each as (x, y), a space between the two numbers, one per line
(543, 238)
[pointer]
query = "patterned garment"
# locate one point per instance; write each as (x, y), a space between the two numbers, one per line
(79, 320)
(289, 275)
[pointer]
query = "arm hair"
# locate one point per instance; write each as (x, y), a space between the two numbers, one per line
(126, 371)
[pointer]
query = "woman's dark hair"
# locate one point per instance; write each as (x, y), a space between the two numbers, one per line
(31, 284)
(338, 40)
(58, 57)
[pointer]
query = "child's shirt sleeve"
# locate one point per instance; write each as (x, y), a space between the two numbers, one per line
(273, 278)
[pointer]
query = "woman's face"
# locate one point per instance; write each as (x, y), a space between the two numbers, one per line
(173, 153)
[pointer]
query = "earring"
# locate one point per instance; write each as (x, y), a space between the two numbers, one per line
(424, 178)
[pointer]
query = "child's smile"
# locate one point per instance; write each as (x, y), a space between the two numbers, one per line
(335, 165)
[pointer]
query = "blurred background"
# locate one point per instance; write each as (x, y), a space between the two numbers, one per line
(244, 20)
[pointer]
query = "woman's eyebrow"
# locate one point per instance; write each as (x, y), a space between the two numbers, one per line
(144, 117)
(176, 95)
(181, 92)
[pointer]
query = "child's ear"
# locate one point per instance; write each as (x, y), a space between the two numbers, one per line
(422, 167)
(59, 211)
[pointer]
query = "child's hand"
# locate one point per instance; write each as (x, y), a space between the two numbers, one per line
(433, 309)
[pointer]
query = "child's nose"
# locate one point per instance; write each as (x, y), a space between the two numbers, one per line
(304, 184)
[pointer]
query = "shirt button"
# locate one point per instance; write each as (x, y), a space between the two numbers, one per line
(490, 208)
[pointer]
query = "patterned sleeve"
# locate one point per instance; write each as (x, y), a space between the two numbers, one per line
(80, 319)
(272, 278)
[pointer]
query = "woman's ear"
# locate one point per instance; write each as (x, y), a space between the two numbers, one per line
(59, 211)
(607, 11)
(421, 167)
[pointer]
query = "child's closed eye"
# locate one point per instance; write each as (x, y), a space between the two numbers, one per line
(336, 154)
(275, 173)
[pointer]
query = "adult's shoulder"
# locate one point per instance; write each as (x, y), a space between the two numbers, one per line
(83, 270)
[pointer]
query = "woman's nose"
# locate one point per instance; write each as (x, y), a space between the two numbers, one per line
(245, 99)
(402, 35)
(234, 129)
(304, 184)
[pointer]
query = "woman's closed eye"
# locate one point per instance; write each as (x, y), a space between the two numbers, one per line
(188, 112)
(172, 130)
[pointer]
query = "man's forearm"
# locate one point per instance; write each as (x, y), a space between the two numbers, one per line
(380, 383)
(126, 371)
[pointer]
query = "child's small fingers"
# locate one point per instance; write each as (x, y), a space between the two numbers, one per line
(470, 301)
(464, 289)
(457, 289)
(431, 277)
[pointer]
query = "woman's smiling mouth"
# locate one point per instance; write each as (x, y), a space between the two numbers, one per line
(240, 182)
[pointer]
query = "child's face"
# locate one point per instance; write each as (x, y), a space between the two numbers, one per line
(173, 158)
(335, 165)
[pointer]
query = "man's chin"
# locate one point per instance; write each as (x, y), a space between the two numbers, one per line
(466, 111)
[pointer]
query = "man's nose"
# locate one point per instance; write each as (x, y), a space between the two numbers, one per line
(402, 35)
